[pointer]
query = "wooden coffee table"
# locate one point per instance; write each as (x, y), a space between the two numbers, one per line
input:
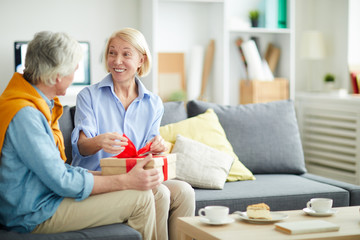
(348, 218)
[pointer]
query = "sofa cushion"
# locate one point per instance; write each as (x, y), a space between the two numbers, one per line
(354, 190)
(66, 123)
(279, 191)
(265, 136)
(200, 165)
(206, 128)
(173, 112)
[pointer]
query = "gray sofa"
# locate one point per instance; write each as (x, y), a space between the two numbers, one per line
(266, 139)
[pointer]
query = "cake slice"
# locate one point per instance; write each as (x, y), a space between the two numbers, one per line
(258, 211)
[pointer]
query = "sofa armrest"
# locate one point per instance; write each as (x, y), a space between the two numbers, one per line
(113, 231)
(353, 189)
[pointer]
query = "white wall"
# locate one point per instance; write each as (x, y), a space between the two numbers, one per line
(194, 24)
(331, 18)
(86, 20)
(354, 33)
(95, 20)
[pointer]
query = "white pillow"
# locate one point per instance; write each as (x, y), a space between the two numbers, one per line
(200, 165)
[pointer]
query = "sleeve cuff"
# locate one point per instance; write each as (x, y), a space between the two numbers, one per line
(88, 185)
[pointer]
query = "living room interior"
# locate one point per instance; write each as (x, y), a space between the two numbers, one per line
(190, 31)
(328, 116)
(195, 23)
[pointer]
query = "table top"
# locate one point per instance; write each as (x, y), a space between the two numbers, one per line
(348, 218)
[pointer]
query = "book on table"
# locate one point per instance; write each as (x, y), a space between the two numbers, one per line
(311, 226)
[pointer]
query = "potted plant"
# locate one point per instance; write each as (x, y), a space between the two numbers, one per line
(254, 17)
(329, 80)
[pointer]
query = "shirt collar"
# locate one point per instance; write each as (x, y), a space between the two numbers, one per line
(143, 92)
(50, 103)
(108, 82)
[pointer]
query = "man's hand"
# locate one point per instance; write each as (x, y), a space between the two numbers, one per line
(138, 179)
(141, 179)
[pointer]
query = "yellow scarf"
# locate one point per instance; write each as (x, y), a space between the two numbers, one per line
(18, 94)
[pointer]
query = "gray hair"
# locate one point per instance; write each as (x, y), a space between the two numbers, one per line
(50, 55)
(137, 40)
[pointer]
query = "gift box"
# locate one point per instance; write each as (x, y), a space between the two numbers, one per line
(166, 163)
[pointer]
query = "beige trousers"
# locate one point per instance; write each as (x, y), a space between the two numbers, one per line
(136, 208)
(173, 199)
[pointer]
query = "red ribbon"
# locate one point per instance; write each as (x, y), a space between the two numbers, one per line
(130, 163)
(130, 150)
(165, 168)
(132, 156)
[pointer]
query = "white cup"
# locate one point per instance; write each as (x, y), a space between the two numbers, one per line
(215, 214)
(320, 204)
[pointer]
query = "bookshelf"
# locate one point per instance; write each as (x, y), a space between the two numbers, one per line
(260, 30)
(196, 22)
(283, 38)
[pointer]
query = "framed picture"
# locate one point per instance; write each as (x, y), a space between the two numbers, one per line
(82, 75)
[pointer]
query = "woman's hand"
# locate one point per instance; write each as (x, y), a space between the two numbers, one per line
(158, 145)
(113, 143)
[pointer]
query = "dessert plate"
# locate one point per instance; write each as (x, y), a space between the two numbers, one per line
(275, 217)
(226, 221)
(317, 214)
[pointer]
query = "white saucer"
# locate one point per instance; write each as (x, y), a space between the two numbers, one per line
(276, 216)
(319, 214)
(226, 221)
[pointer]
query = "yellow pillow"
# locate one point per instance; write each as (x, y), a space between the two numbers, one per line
(206, 128)
(169, 146)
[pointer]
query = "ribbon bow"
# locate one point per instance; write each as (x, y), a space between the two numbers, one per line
(131, 152)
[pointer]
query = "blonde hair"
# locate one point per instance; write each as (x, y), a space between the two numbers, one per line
(137, 40)
(50, 55)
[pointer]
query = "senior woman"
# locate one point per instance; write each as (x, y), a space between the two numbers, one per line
(39, 193)
(120, 104)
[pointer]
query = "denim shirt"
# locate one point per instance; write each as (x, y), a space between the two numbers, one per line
(99, 110)
(33, 177)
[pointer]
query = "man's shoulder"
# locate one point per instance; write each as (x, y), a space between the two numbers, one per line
(28, 113)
